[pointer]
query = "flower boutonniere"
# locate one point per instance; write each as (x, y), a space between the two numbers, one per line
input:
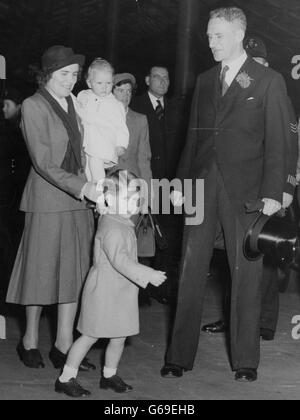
(244, 80)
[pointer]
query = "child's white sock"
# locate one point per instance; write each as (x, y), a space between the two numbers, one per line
(108, 372)
(68, 373)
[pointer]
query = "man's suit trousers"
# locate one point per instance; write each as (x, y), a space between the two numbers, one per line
(198, 244)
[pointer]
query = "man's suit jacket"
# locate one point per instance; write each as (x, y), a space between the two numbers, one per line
(49, 188)
(137, 158)
(164, 136)
(246, 132)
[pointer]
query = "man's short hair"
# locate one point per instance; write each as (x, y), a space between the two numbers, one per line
(231, 14)
(156, 66)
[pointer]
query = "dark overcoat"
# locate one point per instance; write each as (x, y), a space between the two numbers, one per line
(165, 136)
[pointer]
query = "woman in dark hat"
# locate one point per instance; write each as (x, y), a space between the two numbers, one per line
(54, 255)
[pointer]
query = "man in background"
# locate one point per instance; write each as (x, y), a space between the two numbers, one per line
(166, 144)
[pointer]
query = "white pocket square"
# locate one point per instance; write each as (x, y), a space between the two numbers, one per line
(250, 99)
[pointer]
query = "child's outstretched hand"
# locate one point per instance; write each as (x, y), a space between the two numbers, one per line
(157, 278)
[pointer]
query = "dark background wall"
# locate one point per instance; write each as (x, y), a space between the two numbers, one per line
(138, 33)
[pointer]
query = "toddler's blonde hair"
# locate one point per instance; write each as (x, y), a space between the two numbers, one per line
(98, 64)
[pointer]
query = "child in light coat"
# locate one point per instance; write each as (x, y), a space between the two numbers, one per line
(106, 135)
(110, 297)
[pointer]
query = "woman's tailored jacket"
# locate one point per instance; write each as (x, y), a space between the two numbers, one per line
(137, 158)
(47, 141)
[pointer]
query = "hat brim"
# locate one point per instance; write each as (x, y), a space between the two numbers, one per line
(124, 77)
(74, 59)
(251, 238)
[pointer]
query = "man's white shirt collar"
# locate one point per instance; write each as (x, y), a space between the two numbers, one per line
(154, 100)
(234, 68)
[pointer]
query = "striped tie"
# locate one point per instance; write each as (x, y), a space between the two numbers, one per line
(224, 85)
(159, 110)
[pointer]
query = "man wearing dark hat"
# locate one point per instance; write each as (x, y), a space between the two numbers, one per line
(256, 48)
(237, 143)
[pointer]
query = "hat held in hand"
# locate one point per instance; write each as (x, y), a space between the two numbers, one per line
(275, 236)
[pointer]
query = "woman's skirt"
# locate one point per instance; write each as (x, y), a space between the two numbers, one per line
(53, 259)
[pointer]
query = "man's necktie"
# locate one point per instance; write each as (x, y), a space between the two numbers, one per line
(159, 110)
(224, 85)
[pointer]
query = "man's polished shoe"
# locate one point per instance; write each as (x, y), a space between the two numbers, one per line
(31, 358)
(267, 334)
(246, 375)
(215, 328)
(171, 371)
(116, 384)
(71, 389)
(59, 359)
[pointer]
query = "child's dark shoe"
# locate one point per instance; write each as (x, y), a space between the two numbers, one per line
(115, 383)
(59, 359)
(71, 389)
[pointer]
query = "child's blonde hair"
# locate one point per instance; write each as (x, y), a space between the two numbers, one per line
(98, 64)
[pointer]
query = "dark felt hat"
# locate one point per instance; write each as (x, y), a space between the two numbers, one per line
(275, 236)
(255, 47)
(58, 57)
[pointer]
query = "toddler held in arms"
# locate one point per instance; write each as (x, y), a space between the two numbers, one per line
(106, 134)
(109, 307)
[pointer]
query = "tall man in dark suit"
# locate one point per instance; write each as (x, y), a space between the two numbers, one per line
(237, 143)
(164, 135)
(255, 47)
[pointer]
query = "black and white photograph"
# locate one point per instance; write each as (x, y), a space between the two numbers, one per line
(149, 202)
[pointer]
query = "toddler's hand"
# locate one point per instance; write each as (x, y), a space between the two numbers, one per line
(157, 278)
(90, 191)
(120, 151)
